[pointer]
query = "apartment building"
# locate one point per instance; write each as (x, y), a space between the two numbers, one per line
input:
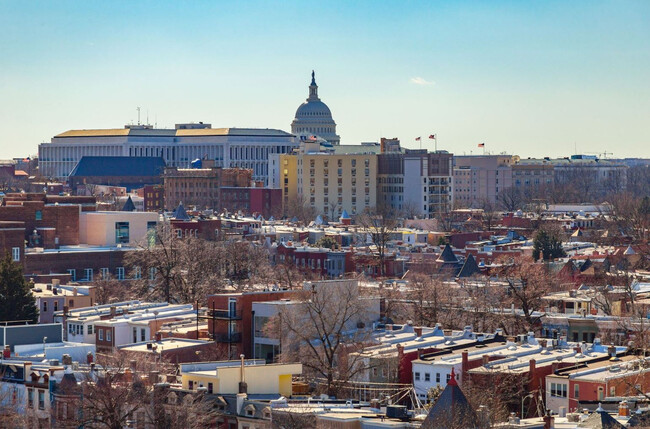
(480, 178)
(329, 181)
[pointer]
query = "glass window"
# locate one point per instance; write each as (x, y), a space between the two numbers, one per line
(121, 232)
(38, 215)
(41, 399)
(15, 254)
(100, 334)
(417, 376)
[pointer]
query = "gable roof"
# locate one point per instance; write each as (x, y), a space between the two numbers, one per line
(447, 256)
(99, 166)
(452, 409)
(180, 213)
(600, 420)
(128, 205)
(469, 267)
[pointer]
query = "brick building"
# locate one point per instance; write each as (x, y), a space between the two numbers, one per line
(154, 198)
(202, 187)
(55, 219)
(231, 324)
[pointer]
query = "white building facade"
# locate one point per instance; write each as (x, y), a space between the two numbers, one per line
(228, 147)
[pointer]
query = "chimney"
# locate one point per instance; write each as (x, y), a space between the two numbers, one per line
(623, 409)
(486, 359)
(6, 353)
(243, 387)
(56, 283)
(74, 291)
(400, 350)
(549, 421)
(611, 351)
(531, 368)
(66, 359)
(465, 364)
(113, 311)
(89, 358)
(133, 364)
(418, 331)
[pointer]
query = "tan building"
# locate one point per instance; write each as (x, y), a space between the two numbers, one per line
(480, 178)
(329, 182)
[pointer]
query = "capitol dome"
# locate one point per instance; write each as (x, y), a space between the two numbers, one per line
(314, 118)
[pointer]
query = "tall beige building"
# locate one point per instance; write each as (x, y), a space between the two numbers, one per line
(329, 182)
(480, 178)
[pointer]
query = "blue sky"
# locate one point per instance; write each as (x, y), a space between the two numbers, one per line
(534, 78)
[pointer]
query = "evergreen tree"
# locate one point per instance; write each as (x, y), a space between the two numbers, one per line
(16, 300)
(548, 245)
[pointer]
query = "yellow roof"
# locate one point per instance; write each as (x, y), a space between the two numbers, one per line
(95, 133)
(203, 132)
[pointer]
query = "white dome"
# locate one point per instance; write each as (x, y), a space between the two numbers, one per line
(314, 118)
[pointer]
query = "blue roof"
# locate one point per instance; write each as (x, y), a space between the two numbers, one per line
(98, 166)
(345, 215)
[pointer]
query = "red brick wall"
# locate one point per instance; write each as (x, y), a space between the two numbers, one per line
(64, 218)
(12, 234)
(54, 262)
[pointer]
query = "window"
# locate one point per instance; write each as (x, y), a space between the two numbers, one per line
(73, 274)
(104, 273)
(137, 273)
(71, 329)
(108, 335)
(15, 254)
(152, 273)
(612, 391)
(38, 215)
(135, 334)
(30, 398)
(41, 399)
(210, 388)
(143, 336)
(427, 376)
(100, 334)
(56, 305)
(44, 306)
(121, 232)
(438, 377)
(89, 274)
(90, 329)
(417, 376)
(179, 233)
(559, 390)
(191, 385)
(120, 273)
(576, 391)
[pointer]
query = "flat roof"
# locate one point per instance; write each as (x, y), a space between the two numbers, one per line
(163, 344)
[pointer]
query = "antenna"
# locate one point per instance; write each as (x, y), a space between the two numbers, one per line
(138, 109)
(147, 116)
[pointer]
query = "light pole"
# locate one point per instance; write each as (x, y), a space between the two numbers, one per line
(155, 324)
(530, 395)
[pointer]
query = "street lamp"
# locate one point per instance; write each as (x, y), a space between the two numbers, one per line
(530, 395)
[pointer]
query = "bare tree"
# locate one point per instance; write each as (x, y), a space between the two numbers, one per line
(526, 284)
(300, 208)
(511, 199)
(379, 223)
(322, 331)
(490, 215)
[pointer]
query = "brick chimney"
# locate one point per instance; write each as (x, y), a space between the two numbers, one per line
(486, 359)
(549, 421)
(623, 409)
(464, 365)
(418, 331)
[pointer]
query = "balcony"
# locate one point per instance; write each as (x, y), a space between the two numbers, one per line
(225, 314)
(232, 337)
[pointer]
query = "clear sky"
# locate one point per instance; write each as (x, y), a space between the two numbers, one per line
(534, 78)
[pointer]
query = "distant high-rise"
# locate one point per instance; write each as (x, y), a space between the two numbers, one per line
(314, 118)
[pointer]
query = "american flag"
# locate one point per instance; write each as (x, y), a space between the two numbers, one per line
(417, 139)
(481, 145)
(432, 136)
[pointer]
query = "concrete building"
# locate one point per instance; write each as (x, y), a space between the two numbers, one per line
(314, 118)
(115, 228)
(328, 181)
(480, 178)
(428, 182)
(228, 147)
(224, 377)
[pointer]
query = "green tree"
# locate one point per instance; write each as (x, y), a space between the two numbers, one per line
(547, 244)
(326, 242)
(16, 300)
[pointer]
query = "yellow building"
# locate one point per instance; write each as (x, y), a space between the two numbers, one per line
(330, 182)
(224, 377)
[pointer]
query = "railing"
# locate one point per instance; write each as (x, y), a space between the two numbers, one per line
(232, 337)
(226, 314)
